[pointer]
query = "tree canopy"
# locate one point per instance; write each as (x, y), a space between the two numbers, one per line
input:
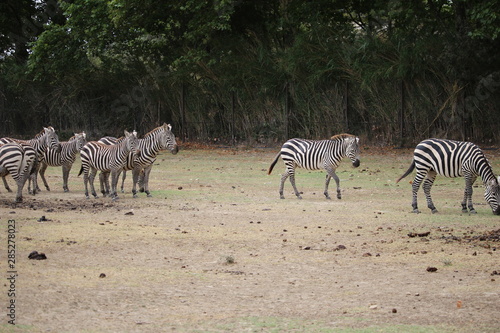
(253, 71)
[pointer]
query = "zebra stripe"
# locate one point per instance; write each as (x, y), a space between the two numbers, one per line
(65, 158)
(18, 160)
(47, 138)
(452, 159)
(160, 138)
(97, 156)
(316, 155)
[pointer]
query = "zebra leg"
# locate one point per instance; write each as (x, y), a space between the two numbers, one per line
(140, 181)
(43, 167)
(415, 187)
(145, 179)
(104, 183)
(20, 184)
(282, 184)
(5, 184)
(467, 202)
(66, 169)
(292, 181)
(91, 178)
(85, 182)
(115, 174)
(428, 182)
(123, 180)
(327, 183)
(332, 174)
(135, 176)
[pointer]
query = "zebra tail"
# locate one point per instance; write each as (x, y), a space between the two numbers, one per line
(81, 170)
(410, 169)
(271, 167)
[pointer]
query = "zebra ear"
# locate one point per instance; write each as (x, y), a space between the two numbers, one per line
(169, 127)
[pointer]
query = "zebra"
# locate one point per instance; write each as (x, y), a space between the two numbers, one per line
(141, 164)
(47, 138)
(315, 155)
(18, 160)
(97, 156)
(65, 158)
(452, 159)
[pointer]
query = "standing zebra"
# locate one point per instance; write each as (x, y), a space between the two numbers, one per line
(47, 138)
(315, 155)
(452, 159)
(97, 156)
(65, 158)
(141, 164)
(18, 160)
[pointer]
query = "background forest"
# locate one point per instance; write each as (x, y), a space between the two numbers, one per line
(252, 71)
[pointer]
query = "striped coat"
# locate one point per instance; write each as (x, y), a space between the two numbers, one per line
(97, 156)
(450, 158)
(315, 155)
(18, 160)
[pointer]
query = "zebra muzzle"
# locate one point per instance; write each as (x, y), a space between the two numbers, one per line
(356, 163)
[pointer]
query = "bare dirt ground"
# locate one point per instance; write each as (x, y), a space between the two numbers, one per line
(216, 250)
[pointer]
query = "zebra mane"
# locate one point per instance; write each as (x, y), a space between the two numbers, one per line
(43, 132)
(165, 126)
(152, 131)
(342, 136)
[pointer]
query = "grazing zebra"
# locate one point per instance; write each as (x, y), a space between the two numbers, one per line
(65, 158)
(18, 160)
(315, 155)
(452, 159)
(47, 138)
(97, 156)
(160, 138)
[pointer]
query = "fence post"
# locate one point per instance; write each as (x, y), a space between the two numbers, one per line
(346, 105)
(182, 106)
(233, 106)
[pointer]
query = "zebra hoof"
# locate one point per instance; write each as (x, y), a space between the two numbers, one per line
(464, 210)
(473, 211)
(149, 195)
(416, 211)
(134, 195)
(328, 197)
(19, 199)
(434, 211)
(339, 197)
(47, 188)
(299, 197)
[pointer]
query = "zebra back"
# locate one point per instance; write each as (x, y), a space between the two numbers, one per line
(108, 157)
(316, 154)
(47, 138)
(451, 158)
(67, 153)
(16, 159)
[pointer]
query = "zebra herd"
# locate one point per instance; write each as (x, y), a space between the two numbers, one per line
(111, 156)
(431, 157)
(24, 159)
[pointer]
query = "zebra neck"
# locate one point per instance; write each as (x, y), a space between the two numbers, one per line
(150, 145)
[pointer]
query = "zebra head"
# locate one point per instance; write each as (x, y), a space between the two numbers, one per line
(170, 142)
(132, 142)
(51, 139)
(492, 194)
(81, 140)
(352, 150)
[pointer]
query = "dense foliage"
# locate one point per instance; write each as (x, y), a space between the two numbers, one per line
(253, 71)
